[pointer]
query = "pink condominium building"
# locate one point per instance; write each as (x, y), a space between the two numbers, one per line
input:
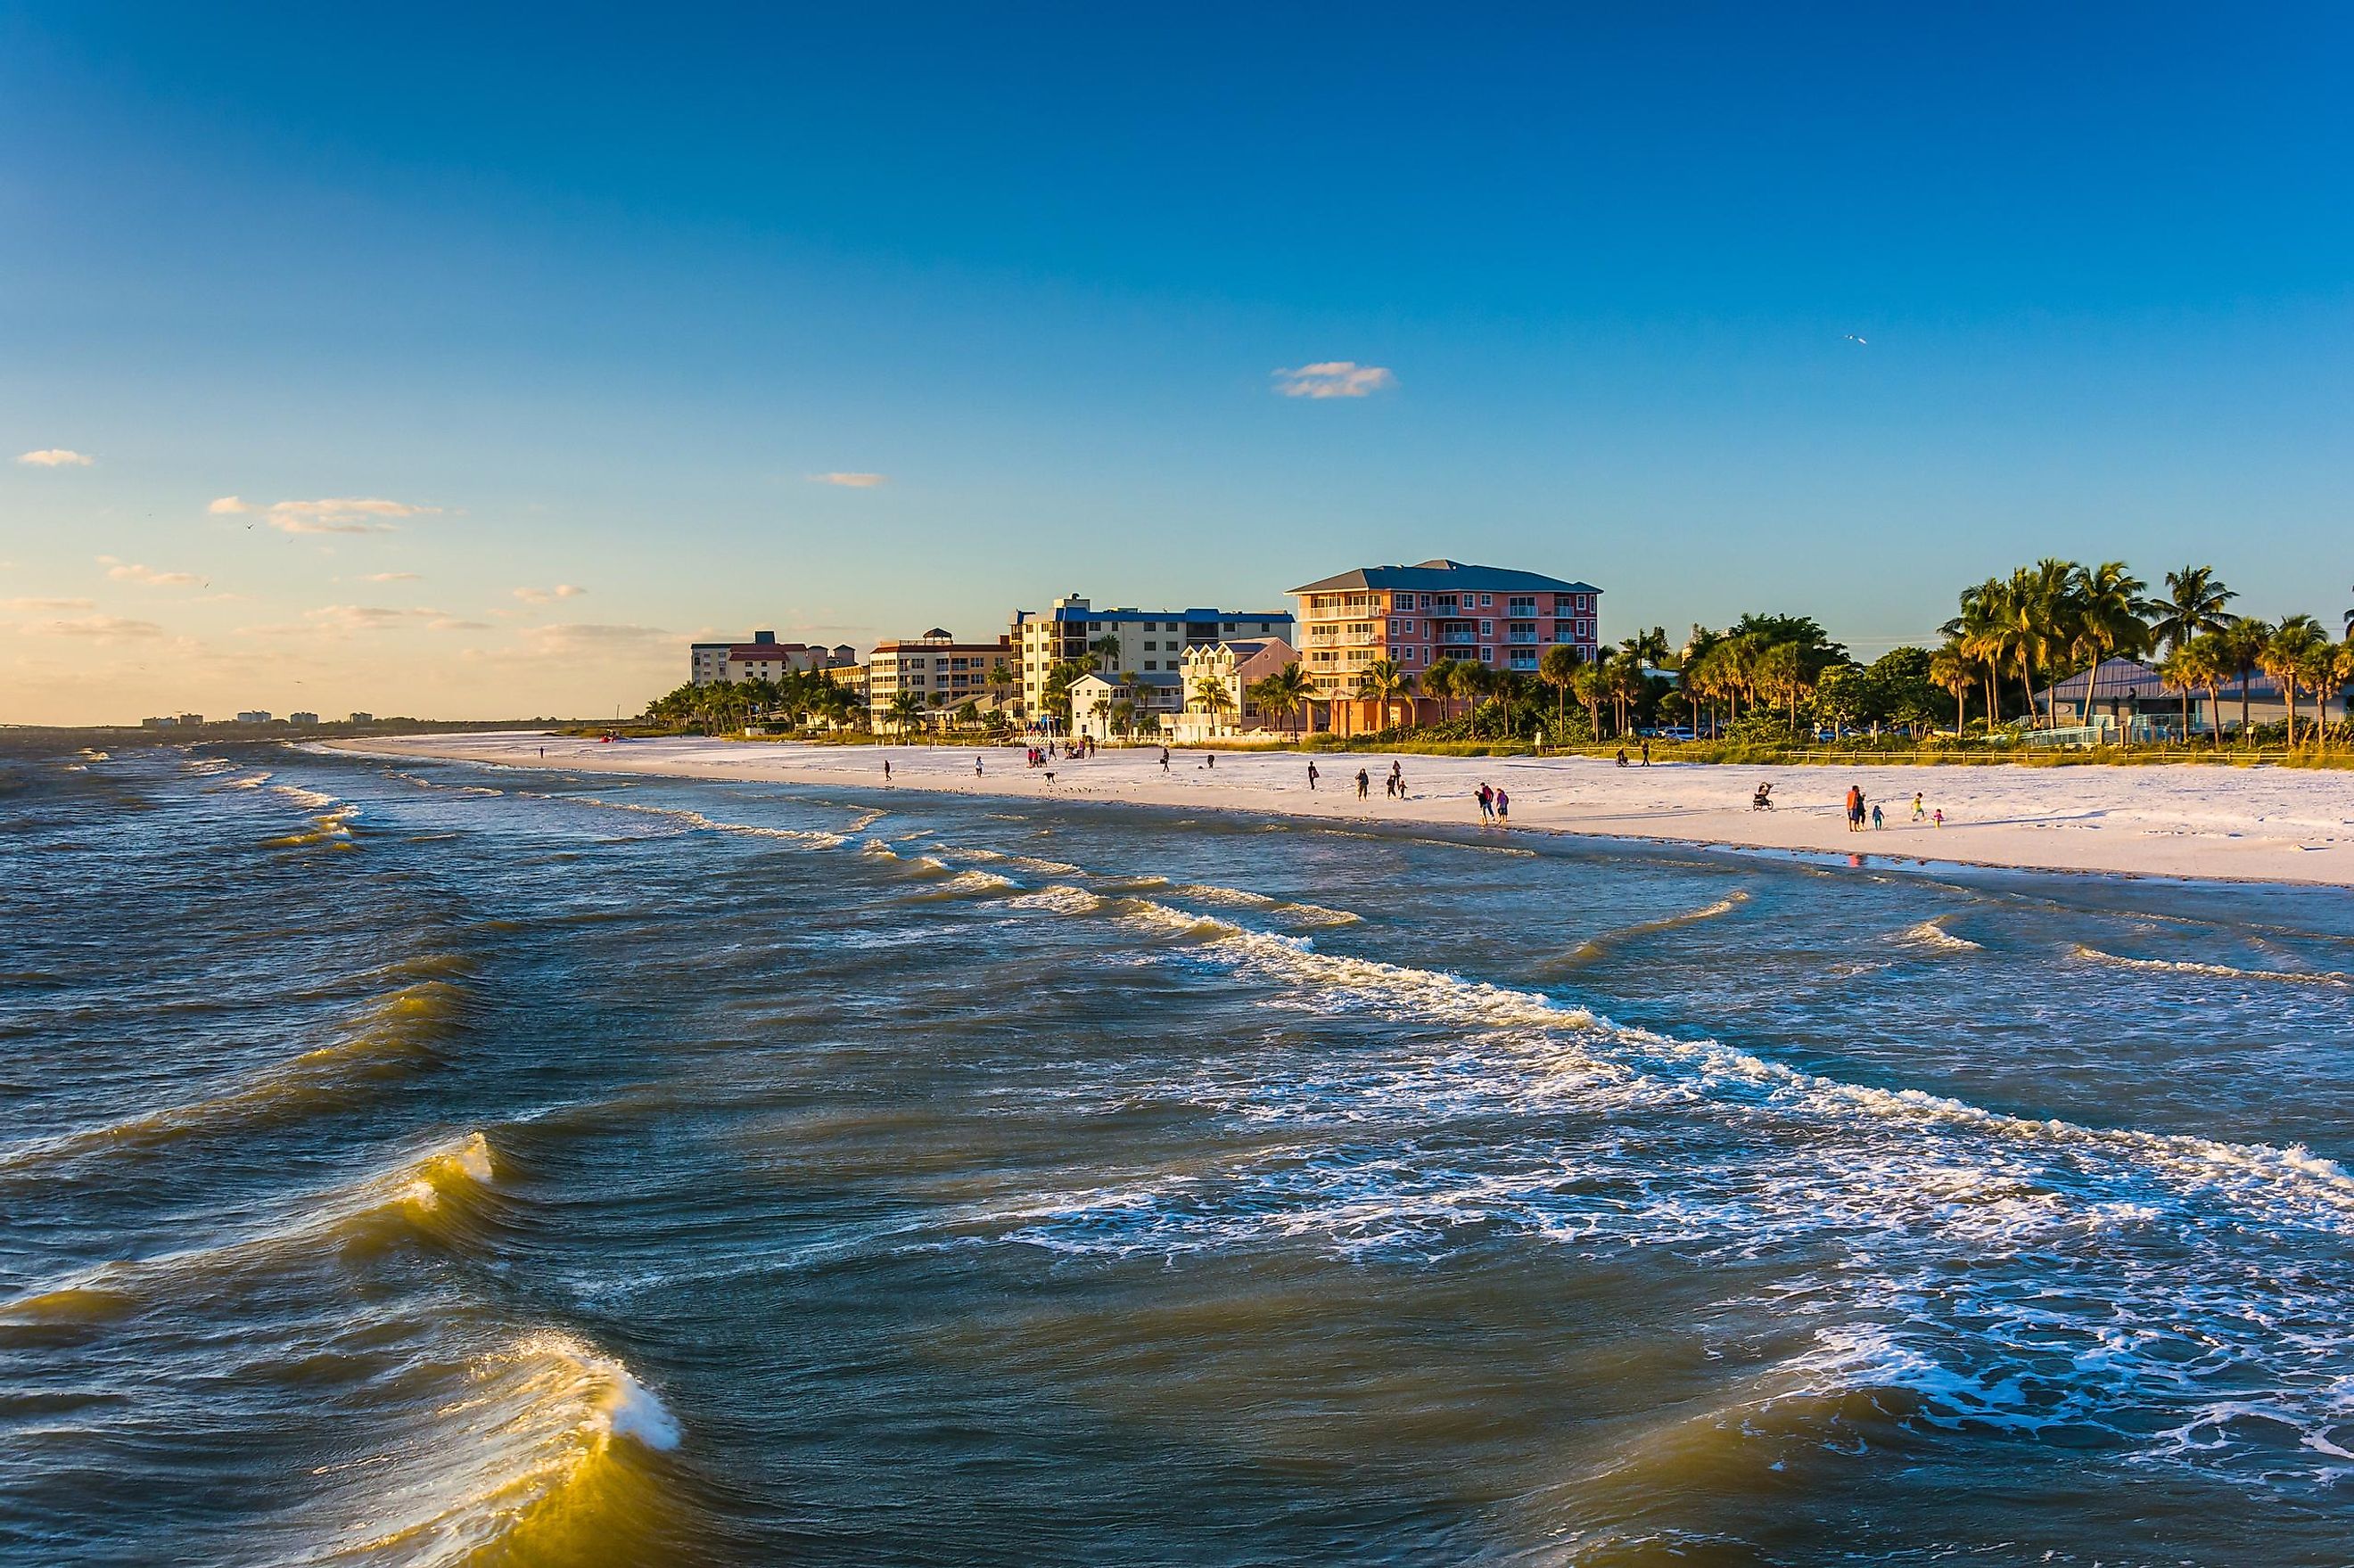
(1490, 616)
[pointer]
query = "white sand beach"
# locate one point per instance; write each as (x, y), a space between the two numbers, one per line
(2264, 824)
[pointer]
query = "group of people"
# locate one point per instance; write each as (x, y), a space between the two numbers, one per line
(1495, 805)
(1394, 785)
(1858, 812)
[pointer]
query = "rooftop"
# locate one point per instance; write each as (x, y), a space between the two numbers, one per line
(1443, 575)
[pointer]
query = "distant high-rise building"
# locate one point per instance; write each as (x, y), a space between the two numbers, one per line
(190, 721)
(254, 715)
(159, 724)
(363, 718)
(303, 718)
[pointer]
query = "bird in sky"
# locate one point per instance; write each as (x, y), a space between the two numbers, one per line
(1853, 338)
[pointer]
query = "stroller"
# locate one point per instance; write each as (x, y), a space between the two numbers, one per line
(1763, 800)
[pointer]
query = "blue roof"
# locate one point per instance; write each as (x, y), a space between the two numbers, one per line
(1072, 612)
(1443, 575)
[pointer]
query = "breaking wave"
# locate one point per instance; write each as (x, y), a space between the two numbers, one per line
(2215, 971)
(1931, 934)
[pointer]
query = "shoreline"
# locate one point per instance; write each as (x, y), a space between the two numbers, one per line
(2282, 826)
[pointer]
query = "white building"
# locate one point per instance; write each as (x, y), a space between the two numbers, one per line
(1232, 668)
(303, 718)
(1152, 644)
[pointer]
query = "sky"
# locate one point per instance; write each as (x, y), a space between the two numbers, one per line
(469, 362)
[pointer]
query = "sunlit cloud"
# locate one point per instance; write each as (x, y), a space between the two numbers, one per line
(95, 626)
(132, 572)
(370, 618)
(451, 623)
(391, 578)
(583, 638)
(332, 514)
(848, 481)
(55, 457)
(47, 604)
(545, 596)
(1334, 379)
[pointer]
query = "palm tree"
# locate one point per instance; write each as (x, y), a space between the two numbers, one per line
(1212, 694)
(1292, 690)
(2245, 640)
(2211, 661)
(2104, 618)
(1957, 672)
(2288, 656)
(1557, 667)
(1001, 682)
(1592, 684)
(1629, 685)
(906, 709)
(1382, 681)
(2179, 672)
(1105, 652)
(1473, 683)
(1441, 681)
(2192, 608)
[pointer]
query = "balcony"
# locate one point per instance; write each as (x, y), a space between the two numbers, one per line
(1460, 638)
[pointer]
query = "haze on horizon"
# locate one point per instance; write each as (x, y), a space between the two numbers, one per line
(471, 366)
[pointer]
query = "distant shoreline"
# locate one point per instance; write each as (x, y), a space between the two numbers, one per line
(2273, 825)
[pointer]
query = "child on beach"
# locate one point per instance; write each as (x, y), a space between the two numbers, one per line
(1917, 811)
(1938, 816)
(1365, 785)
(1876, 823)
(1503, 810)
(1313, 777)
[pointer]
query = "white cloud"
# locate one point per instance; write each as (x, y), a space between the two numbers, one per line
(55, 457)
(132, 572)
(373, 618)
(1334, 379)
(104, 626)
(451, 623)
(580, 639)
(47, 604)
(331, 515)
(848, 481)
(391, 578)
(544, 596)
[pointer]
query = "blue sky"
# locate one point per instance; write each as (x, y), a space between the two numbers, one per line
(589, 295)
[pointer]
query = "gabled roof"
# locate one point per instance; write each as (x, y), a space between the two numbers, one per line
(1443, 575)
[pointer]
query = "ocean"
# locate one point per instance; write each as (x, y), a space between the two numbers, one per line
(414, 1164)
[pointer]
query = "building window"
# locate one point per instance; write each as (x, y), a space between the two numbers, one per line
(1152, 664)
(1487, 628)
(1487, 601)
(1487, 655)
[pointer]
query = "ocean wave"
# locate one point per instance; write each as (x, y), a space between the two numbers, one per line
(301, 797)
(395, 1035)
(1931, 934)
(1595, 946)
(549, 1451)
(2214, 972)
(1060, 898)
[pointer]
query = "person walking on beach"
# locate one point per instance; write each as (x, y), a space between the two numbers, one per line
(976, 768)
(1503, 810)
(1938, 816)
(1312, 778)
(1854, 807)
(1365, 785)
(1622, 757)
(1917, 813)
(1487, 798)
(886, 770)
(1397, 779)
(1164, 759)
(1876, 823)
(1647, 754)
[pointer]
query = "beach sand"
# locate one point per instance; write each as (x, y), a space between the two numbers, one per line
(2265, 824)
